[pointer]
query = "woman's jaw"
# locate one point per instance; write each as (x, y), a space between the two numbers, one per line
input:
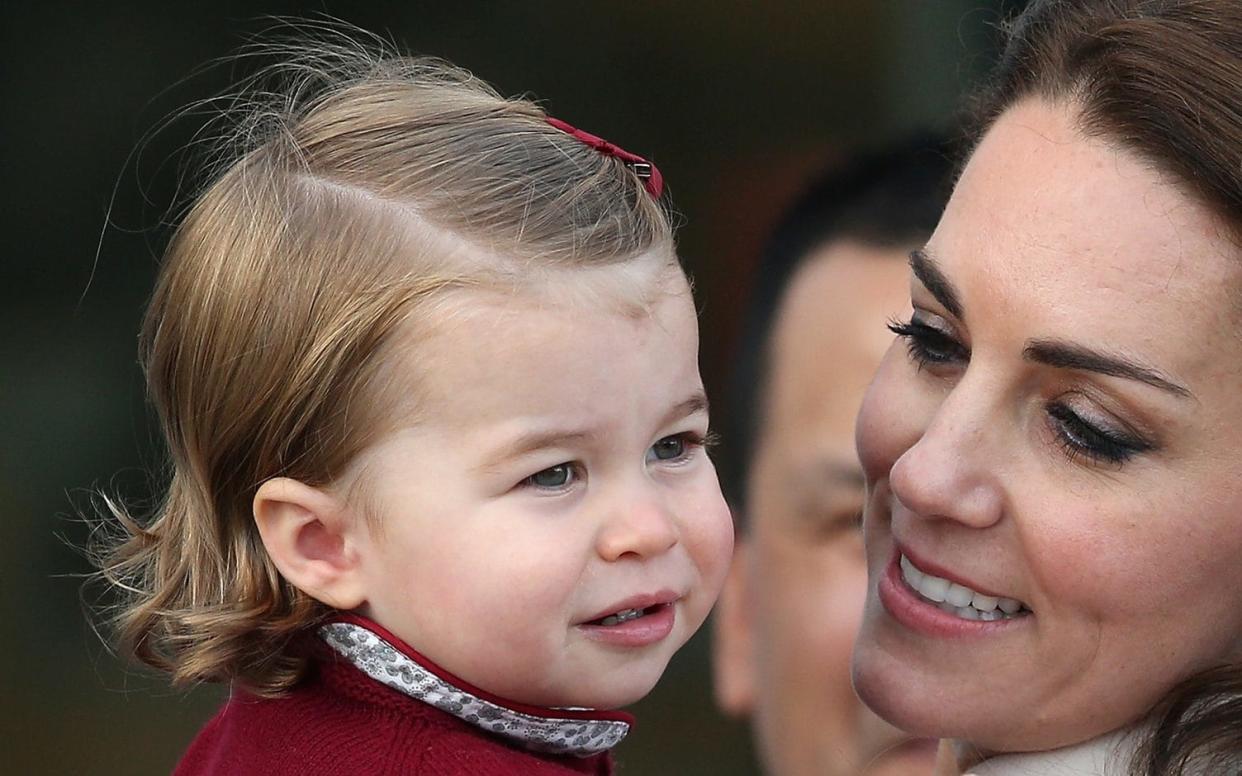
(933, 667)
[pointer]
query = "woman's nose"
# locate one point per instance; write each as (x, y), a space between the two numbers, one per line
(951, 472)
(641, 527)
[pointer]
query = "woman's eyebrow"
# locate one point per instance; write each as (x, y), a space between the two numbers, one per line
(1064, 355)
(924, 268)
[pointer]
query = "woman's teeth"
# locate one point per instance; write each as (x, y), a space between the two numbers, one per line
(958, 599)
(624, 615)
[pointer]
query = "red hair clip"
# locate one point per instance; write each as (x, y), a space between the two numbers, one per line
(653, 181)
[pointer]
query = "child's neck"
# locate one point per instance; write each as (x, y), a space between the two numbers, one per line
(388, 660)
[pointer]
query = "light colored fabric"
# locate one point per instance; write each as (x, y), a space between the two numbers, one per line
(1108, 755)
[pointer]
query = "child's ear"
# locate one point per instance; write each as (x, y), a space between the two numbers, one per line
(733, 648)
(311, 536)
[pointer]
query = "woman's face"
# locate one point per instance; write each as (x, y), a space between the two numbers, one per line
(1053, 447)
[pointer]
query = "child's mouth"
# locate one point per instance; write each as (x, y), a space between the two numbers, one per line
(625, 615)
(639, 623)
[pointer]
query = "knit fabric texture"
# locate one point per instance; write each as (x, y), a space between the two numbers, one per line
(340, 722)
(382, 656)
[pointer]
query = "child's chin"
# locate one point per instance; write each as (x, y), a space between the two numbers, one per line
(602, 684)
(612, 702)
(614, 697)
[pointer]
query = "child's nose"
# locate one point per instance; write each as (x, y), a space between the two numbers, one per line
(639, 529)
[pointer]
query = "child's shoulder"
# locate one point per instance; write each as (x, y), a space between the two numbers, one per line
(312, 730)
(467, 751)
(339, 722)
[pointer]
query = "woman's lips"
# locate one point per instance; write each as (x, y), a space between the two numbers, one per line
(946, 618)
(957, 597)
(928, 566)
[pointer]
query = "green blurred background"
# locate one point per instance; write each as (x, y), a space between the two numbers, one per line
(738, 103)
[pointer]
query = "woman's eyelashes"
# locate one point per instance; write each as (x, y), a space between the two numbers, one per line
(1076, 434)
(929, 345)
(670, 450)
(1080, 437)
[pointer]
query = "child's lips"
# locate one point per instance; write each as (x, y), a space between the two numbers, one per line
(653, 625)
(636, 602)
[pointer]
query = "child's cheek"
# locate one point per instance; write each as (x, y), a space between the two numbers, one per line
(530, 576)
(709, 536)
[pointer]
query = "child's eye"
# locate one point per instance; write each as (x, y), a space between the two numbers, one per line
(669, 448)
(929, 345)
(675, 447)
(554, 477)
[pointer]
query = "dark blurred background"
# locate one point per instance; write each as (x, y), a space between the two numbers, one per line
(738, 103)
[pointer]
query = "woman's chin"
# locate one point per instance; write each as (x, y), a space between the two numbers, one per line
(935, 712)
(935, 696)
(903, 698)
(893, 700)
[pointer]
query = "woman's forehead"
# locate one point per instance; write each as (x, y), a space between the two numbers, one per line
(1049, 225)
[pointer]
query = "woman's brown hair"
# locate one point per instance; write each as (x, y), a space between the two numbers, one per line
(1161, 79)
(354, 186)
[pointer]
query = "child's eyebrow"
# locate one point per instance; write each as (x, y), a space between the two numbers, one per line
(531, 441)
(536, 440)
(694, 405)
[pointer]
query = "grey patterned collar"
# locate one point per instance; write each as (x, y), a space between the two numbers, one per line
(581, 733)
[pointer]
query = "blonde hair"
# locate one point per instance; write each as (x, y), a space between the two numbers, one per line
(359, 186)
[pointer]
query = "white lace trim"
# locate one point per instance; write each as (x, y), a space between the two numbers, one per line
(386, 664)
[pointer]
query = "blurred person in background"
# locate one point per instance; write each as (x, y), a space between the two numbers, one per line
(834, 271)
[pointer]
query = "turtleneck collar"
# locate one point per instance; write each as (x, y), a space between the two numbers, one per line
(390, 661)
(1107, 755)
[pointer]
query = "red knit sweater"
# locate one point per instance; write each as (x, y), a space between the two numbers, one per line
(340, 721)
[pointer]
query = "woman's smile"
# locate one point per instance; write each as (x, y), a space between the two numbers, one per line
(959, 599)
(921, 612)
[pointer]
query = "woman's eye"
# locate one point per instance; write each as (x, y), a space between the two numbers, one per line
(559, 476)
(929, 345)
(1081, 437)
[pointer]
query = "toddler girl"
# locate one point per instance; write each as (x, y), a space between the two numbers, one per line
(426, 364)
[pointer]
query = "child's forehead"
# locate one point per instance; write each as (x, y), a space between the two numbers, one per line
(633, 288)
(489, 364)
(581, 316)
